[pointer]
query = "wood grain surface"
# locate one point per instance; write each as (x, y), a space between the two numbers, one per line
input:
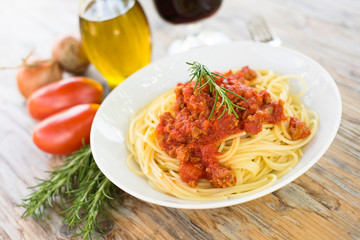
(324, 203)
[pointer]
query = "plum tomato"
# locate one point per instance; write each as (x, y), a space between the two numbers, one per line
(63, 94)
(65, 132)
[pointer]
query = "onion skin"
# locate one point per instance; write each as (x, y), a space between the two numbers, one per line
(63, 94)
(36, 73)
(65, 132)
(70, 54)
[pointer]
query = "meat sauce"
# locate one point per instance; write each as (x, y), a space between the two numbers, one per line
(192, 138)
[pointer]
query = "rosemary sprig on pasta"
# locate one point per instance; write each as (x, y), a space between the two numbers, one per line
(202, 73)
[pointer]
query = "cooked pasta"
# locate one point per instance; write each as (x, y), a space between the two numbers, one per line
(257, 160)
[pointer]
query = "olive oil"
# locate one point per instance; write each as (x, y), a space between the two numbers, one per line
(116, 38)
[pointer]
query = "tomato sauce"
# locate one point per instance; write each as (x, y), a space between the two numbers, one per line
(192, 138)
(298, 129)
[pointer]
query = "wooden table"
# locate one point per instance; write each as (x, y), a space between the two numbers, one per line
(324, 203)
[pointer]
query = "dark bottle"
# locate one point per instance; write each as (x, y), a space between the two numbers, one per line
(185, 11)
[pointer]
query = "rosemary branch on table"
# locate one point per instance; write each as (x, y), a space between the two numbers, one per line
(204, 77)
(80, 188)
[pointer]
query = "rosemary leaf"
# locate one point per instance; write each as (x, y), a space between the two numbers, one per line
(200, 72)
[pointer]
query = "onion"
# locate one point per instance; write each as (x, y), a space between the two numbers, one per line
(35, 73)
(69, 53)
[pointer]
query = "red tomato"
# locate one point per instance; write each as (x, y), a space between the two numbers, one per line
(64, 132)
(63, 94)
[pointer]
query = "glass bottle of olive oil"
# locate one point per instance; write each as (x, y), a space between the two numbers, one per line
(116, 37)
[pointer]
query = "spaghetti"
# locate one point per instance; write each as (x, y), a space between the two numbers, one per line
(250, 157)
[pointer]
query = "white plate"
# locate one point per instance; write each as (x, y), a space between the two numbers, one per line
(112, 119)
